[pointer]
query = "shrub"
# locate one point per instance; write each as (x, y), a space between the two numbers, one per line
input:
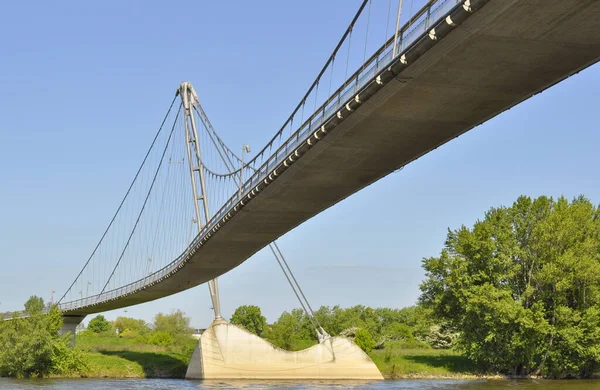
(129, 334)
(160, 338)
(364, 340)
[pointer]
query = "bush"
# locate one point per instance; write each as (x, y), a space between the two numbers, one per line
(129, 334)
(175, 324)
(68, 360)
(364, 340)
(32, 347)
(398, 332)
(441, 337)
(160, 338)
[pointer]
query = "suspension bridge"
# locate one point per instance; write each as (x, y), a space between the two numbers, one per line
(196, 208)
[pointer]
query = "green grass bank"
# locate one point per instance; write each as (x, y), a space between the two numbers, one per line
(112, 357)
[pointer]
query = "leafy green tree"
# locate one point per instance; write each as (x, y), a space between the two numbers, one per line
(441, 337)
(34, 305)
(398, 332)
(364, 340)
(32, 346)
(176, 324)
(99, 324)
(292, 331)
(523, 287)
(409, 326)
(139, 327)
(418, 318)
(250, 318)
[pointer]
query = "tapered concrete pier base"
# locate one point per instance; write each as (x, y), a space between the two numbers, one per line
(226, 351)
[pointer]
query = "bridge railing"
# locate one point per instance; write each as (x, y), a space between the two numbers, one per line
(415, 28)
(408, 35)
(9, 315)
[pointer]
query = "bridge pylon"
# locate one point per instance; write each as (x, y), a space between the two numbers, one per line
(189, 100)
(227, 351)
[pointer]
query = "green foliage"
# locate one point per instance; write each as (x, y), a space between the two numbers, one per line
(139, 327)
(364, 340)
(67, 360)
(412, 344)
(523, 287)
(395, 363)
(32, 347)
(292, 331)
(99, 324)
(160, 338)
(441, 337)
(129, 334)
(398, 332)
(175, 324)
(250, 318)
(116, 357)
(34, 305)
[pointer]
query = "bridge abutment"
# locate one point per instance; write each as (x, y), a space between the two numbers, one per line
(226, 351)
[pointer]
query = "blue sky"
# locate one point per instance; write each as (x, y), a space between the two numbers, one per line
(85, 85)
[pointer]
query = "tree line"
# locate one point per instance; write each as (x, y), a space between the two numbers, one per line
(411, 327)
(166, 330)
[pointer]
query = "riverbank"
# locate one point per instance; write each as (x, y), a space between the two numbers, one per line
(111, 357)
(399, 363)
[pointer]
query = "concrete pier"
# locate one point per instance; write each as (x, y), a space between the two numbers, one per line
(70, 324)
(226, 351)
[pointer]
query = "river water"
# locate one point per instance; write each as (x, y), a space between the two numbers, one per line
(156, 384)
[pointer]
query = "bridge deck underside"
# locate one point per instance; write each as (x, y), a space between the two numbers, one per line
(501, 55)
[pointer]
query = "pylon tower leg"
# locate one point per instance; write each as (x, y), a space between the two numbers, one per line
(213, 287)
(189, 99)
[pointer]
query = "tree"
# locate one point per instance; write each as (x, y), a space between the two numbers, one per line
(176, 324)
(32, 346)
(523, 287)
(364, 340)
(34, 305)
(139, 327)
(398, 332)
(292, 331)
(99, 324)
(250, 318)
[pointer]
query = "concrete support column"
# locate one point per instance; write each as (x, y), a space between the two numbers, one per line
(70, 324)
